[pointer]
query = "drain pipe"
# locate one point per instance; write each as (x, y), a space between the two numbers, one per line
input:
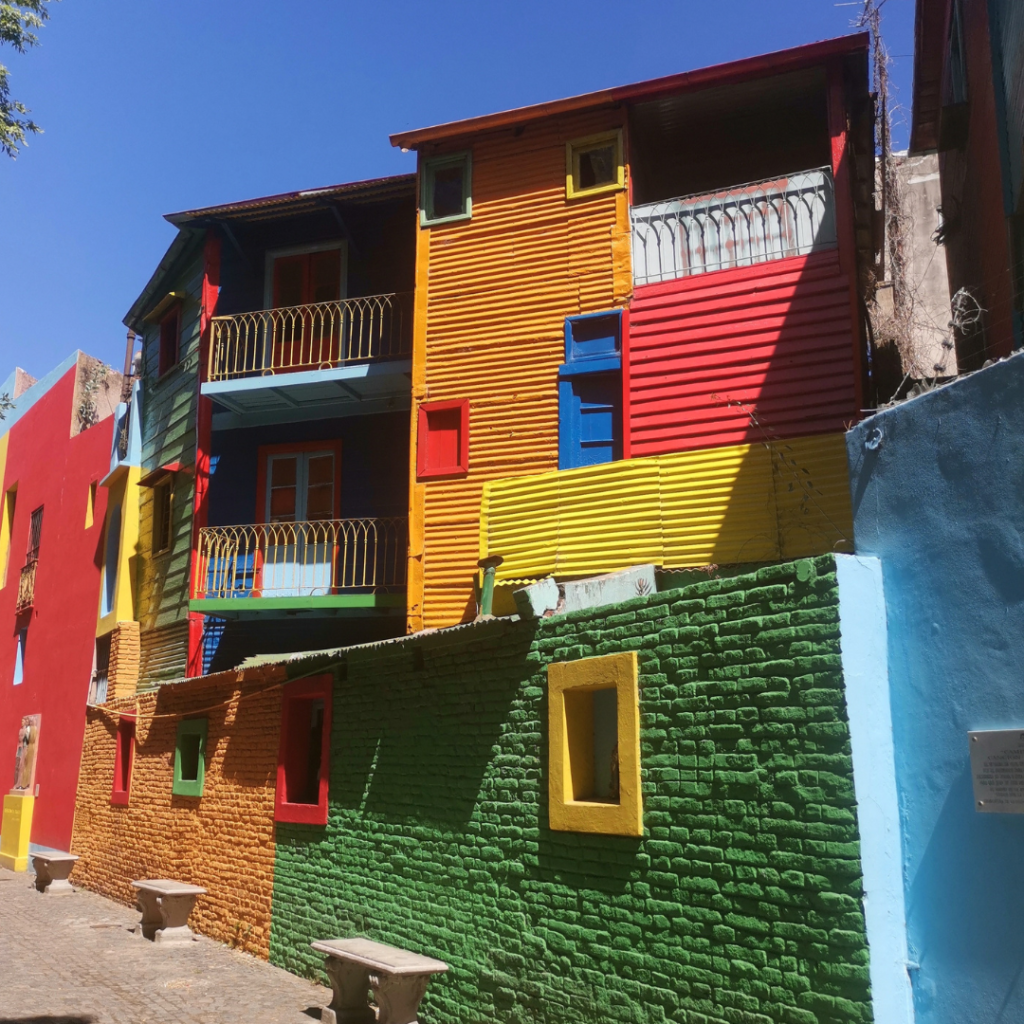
(489, 565)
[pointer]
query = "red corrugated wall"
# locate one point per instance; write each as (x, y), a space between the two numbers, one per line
(709, 351)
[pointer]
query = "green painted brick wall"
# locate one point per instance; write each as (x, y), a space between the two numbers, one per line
(741, 904)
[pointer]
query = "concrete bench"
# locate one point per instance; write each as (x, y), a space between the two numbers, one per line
(52, 869)
(397, 977)
(165, 906)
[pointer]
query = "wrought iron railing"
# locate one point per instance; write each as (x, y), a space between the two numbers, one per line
(735, 227)
(318, 336)
(304, 559)
(27, 587)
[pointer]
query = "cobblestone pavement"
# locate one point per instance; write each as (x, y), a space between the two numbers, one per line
(71, 959)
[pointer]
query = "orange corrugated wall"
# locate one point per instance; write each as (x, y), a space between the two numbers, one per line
(492, 297)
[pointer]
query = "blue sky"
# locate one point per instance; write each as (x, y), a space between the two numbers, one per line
(151, 107)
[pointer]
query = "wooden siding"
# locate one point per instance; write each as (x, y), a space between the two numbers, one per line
(492, 297)
(738, 356)
(163, 654)
(169, 436)
(728, 505)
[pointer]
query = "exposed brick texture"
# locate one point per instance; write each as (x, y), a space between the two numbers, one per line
(741, 904)
(224, 840)
(123, 671)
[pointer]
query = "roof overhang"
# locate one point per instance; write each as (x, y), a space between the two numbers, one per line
(929, 49)
(720, 74)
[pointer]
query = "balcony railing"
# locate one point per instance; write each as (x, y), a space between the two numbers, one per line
(305, 559)
(27, 587)
(319, 336)
(736, 227)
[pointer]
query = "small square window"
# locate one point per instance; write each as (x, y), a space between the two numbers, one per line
(594, 746)
(303, 759)
(163, 507)
(124, 761)
(190, 758)
(446, 189)
(442, 444)
(594, 164)
(170, 335)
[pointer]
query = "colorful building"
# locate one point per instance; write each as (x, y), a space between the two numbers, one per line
(969, 106)
(275, 345)
(54, 454)
(639, 288)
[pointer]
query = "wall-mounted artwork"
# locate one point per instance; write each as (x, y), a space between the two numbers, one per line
(28, 748)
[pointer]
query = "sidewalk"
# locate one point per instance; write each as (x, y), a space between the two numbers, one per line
(72, 960)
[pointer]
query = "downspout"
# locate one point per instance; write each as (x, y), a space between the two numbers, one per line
(489, 565)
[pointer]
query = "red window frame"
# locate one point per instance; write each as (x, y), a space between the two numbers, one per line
(170, 339)
(424, 470)
(295, 699)
(125, 726)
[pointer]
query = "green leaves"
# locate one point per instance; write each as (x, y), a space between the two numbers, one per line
(17, 20)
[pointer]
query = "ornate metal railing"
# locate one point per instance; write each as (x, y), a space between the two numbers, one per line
(735, 227)
(26, 587)
(305, 559)
(319, 336)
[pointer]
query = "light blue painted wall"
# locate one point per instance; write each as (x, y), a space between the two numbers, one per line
(938, 497)
(866, 671)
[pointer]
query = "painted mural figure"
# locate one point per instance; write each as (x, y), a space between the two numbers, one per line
(25, 760)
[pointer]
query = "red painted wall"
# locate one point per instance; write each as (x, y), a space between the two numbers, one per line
(54, 470)
(706, 351)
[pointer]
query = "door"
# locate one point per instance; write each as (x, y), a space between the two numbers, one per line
(590, 420)
(307, 336)
(301, 491)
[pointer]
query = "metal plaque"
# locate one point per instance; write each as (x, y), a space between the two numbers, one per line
(997, 768)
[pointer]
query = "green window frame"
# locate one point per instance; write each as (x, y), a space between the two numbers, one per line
(190, 743)
(432, 168)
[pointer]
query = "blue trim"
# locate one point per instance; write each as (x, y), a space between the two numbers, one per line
(31, 395)
(295, 380)
(574, 353)
(609, 364)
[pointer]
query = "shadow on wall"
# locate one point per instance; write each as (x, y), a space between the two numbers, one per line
(962, 844)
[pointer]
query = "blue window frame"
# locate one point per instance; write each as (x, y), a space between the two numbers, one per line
(590, 391)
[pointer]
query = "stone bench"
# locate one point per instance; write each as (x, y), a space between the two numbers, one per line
(397, 977)
(52, 869)
(165, 906)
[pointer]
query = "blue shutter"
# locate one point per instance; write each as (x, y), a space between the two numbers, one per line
(590, 420)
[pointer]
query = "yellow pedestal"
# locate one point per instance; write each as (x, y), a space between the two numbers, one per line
(15, 831)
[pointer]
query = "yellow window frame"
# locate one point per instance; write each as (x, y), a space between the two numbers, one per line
(572, 678)
(574, 148)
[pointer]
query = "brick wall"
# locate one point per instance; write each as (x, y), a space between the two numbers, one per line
(123, 670)
(740, 904)
(224, 840)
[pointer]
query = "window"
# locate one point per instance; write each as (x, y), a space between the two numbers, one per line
(590, 391)
(6, 527)
(299, 483)
(442, 446)
(19, 656)
(446, 189)
(300, 279)
(108, 592)
(101, 670)
(170, 337)
(594, 164)
(304, 753)
(190, 758)
(35, 536)
(163, 507)
(124, 760)
(90, 505)
(594, 746)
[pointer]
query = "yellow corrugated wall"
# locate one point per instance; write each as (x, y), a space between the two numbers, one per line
(745, 503)
(492, 296)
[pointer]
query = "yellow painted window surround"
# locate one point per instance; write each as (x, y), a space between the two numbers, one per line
(594, 746)
(594, 164)
(90, 505)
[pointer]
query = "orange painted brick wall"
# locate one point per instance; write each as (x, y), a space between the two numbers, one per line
(223, 840)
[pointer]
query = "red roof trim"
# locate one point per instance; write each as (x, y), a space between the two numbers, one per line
(718, 74)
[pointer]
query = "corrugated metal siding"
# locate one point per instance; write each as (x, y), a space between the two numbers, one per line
(773, 340)
(163, 654)
(498, 290)
(169, 435)
(743, 503)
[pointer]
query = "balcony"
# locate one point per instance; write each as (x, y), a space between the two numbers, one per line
(26, 588)
(734, 227)
(280, 362)
(326, 566)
